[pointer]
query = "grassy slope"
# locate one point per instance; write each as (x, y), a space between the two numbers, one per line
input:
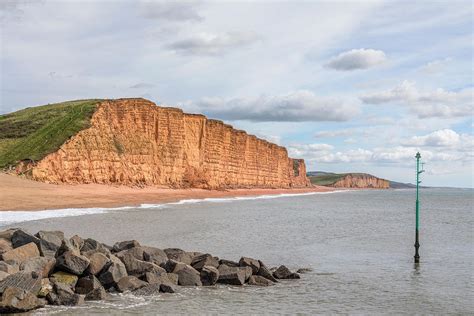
(32, 133)
(328, 178)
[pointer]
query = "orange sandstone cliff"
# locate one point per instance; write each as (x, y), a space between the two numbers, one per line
(135, 142)
(361, 181)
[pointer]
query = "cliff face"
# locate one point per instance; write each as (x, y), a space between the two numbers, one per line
(361, 181)
(135, 142)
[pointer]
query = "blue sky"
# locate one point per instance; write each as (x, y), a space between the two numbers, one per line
(350, 86)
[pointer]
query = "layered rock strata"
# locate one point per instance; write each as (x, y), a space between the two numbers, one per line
(363, 181)
(135, 142)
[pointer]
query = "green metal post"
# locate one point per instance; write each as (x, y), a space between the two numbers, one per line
(417, 226)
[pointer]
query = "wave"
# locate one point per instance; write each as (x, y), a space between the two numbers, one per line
(11, 217)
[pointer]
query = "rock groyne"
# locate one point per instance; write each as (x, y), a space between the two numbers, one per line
(48, 268)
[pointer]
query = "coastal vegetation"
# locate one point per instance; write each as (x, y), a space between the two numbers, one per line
(32, 133)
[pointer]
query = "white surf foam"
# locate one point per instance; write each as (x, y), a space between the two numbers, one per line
(11, 217)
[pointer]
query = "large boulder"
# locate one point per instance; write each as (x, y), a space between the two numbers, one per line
(64, 278)
(72, 262)
(187, 275)
(91, 245)
(67, 246)
(209, 275)
(167, 280)
(64, 295)
(124, 245)
(284, 273)
(28, 281)
(46, 287)
(231, 275)
(5, 245)
(97, 262)
(50, 241)
(42, 265)
(204, 260)
(154, 289)
(21, 253)
(259, 281)
(91, 287)
(10, 267)
(77, 241)
(229, 263)
(130, 283)
(3, 275)
(20, 238)
(137, 267)
(179, 255)
(265, 272)
(17, 300)
(249, 262)
(136, 252)
(112, 272)
(155, 255)
(7, 234)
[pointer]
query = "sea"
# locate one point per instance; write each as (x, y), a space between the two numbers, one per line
(359, 245)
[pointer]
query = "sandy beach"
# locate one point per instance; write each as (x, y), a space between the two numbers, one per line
(18, 194)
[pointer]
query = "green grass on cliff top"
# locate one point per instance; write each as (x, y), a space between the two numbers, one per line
(32, 133)
(324, 178)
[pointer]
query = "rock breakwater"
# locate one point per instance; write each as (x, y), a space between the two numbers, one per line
(48, 268)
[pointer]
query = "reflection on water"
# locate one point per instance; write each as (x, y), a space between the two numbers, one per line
(359, 245)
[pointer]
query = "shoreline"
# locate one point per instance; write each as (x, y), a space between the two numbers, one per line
(19, 194)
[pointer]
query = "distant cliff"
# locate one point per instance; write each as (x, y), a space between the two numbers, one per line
(135, 142)
(348, 180)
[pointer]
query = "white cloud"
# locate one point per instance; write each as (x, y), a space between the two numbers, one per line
(298, 106)
(440, 138)
(434, 103)
(357, 59)
(142, 85)
(213, 44)
(435, 66)
(170, 10)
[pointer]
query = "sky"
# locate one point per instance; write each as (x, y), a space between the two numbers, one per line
(350, 86)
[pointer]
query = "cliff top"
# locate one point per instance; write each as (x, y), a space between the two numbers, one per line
(329, 178)
(32, 133)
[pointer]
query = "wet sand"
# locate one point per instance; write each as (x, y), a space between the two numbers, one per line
(18, 194)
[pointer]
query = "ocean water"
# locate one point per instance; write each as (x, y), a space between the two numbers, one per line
(358, 243)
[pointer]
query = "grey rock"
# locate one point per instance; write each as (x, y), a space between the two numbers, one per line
(21, 253)
(179, 255)
(42, 265)
(21, 238)
(231, 275)
(229, 263)
(265, 272)
(91, 287)
(50, 241)
(136, 252)
(64, 295)
(76, 241)
(259, 281)
(67, 246)
(249, 262)
(124, 245)
(304, 270)
(204, 260)
(137, 267)
(71, 262)
(97, 263)
(284, 273)
(168, 280)
(10, 268)
(209, 275)
(155, 255)
(28, 281)
(112, 272)
(154, 289)
(188, 276)
(7, 234)
(91, 245)
(5, 245)
(130, 283)
(17, 300)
